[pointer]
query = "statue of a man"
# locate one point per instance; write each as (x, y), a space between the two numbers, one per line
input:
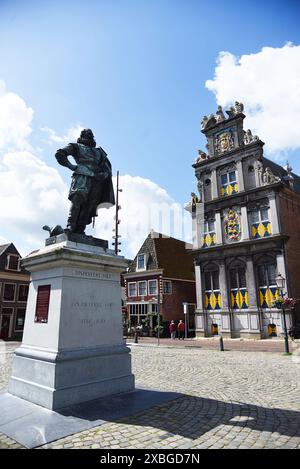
(91, 186)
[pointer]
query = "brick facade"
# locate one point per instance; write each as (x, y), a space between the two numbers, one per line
(172, 304)
(14, 284)
(170, 264)
(289, 209)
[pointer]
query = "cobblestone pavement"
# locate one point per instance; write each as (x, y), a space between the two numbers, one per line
(229, 400)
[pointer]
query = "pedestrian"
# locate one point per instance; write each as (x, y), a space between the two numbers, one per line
(139, 328)
(181, 329)
(172, 329)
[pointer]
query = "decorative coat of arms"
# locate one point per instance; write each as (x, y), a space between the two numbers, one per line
(224, 142)
(232, 225)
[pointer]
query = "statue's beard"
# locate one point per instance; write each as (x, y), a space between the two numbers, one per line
(87, 142)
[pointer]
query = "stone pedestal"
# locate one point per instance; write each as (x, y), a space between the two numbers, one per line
(76, 352)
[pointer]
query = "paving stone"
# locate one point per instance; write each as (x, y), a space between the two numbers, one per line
(233, 400)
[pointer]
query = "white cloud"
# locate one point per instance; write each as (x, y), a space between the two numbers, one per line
(3, 240)
(71, 135)
(15, 120)
(32, 194)
(268, 84)
(145, 206)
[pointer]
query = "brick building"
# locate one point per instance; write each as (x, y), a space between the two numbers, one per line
(246, 228)
(14, 283)
(162, 266)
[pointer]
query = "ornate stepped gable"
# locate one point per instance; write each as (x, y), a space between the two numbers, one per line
(228, 141)
(245, 229)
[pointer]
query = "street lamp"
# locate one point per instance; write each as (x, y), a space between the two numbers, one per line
(280, 282)
(185, 311)
(157, 302)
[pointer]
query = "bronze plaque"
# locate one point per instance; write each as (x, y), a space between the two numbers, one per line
(42, 304)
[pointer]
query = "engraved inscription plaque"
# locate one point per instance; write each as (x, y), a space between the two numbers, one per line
(42, 304)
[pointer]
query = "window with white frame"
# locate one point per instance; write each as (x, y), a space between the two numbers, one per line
(208, 237)
(268, 290)
(167, 287)
(267, 275)
(142, 288)
(238, 288)
(209, 227)
(211, 281)
(228, 183)
(132, 291)
(152, 285)
(9, 292)
(13, 262)
(238, 278)
(259, 223)
(141, 262)
(259, 215)
(212, 290)
(23, 293)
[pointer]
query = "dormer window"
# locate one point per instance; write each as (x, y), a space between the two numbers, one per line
(13, 262)
(141, 262)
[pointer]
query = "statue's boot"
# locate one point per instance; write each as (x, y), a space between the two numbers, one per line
(73, 217)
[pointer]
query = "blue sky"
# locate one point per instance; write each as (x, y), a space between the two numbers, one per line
(133, 71)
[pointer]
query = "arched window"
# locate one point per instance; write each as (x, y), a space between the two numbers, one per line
(268, 291)
(212, 289)
(238, 287)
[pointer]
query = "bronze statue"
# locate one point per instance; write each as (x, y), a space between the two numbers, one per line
(91, 186)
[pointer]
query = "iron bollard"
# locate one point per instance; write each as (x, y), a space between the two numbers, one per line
(136, 337)
(221, 344)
